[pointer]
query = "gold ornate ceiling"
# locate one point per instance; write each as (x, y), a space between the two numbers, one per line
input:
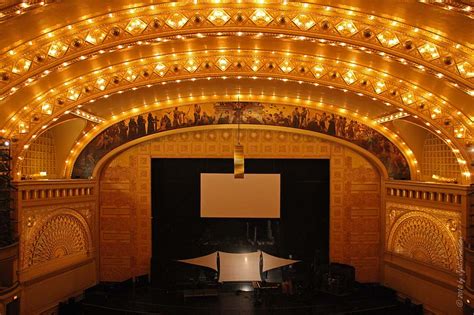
(104, 59)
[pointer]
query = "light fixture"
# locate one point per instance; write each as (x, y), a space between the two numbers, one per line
(238, 148)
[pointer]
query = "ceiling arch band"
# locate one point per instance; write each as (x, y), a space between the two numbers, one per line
(303, 22)
(91, 42)
(334, 74)
(353, 76)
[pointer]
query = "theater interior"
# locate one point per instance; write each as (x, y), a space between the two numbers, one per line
(236, 157)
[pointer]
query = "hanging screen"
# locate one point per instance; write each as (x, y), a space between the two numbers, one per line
(254, 196)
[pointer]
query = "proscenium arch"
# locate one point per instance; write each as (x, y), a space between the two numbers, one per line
(281, 101)
(180, 101)
(103, 162)
(255, 114)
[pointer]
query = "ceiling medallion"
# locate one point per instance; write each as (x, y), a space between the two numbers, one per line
(47, 109)
(130, 75)
(176, 20)
(261, 18)
(135, 26)
(96, 37)
(346, 28)
(304, 22)
(73, 94)
(101, 83)
(160, 69)
(349, 77)
(428, 51)
(57, 49)
(191, 65)
(21, 66)
(318, 70)
(256, 65)
(286, 66)
(218, 17)
(380, 87)
(223, 63)
(388, 39)
(408, 98)
(465, 69)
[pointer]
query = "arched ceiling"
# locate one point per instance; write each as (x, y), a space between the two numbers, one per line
(374, 58)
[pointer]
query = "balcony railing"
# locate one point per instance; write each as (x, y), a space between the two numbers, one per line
(446, 194)
(41, 190)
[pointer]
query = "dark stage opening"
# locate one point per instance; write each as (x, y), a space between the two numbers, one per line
(179, 232)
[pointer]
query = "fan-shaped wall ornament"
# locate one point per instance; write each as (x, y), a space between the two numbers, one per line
(60, 235)
(420, 236)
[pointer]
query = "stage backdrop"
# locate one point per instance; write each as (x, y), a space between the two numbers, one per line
(251, 113)
(179, 231)
(125, 196)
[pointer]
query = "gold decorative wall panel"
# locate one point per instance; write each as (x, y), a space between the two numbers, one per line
(61, 235)
(427, 235)
(55, 224)
(125, 190)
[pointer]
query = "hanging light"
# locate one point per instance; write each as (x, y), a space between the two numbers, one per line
(238, 148)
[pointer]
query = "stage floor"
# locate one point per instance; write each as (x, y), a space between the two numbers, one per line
(365, 299)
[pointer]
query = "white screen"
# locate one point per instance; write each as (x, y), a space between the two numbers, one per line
(239, 267)
(254, 196)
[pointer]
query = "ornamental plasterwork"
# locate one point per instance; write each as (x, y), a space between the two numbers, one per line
(61, 233)
(426, 234)
(117, 29)
(240, 64)
(34, 217)
(11, 9)
(458, 6)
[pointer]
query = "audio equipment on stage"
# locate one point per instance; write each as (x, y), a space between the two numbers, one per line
(338, 279)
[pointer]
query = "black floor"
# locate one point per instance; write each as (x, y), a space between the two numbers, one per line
(365, 299)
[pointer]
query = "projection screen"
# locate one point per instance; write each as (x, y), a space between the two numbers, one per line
(239, 267)
(254, 196)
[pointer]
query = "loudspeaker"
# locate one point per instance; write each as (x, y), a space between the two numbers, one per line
(339, 279)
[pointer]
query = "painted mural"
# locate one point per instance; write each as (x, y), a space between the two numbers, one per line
(245, 113)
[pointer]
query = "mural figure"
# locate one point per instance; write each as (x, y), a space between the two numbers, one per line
(251, 113)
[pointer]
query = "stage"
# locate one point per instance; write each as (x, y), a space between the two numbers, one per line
(239, 298)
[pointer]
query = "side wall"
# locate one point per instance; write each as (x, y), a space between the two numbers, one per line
(424, 242)
(125, 200)
(57, 224)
